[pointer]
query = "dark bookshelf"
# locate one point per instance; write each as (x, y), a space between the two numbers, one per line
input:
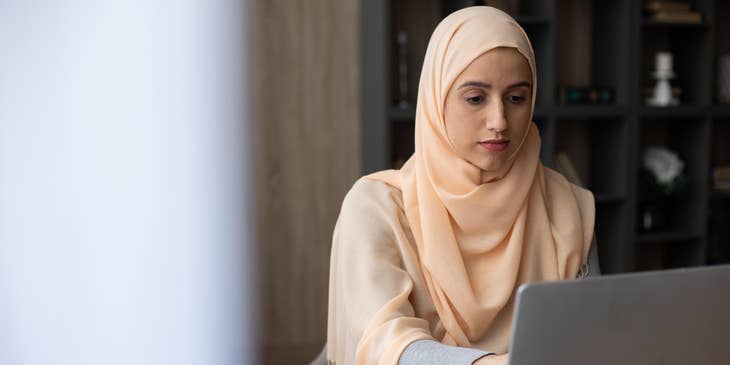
(608, 44)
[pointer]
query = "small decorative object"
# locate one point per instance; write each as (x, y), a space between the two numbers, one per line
(586, 95)
(662, 89)
(723, 79)
(649, 91)
(661, 178)
(402, 69)
(664, 168)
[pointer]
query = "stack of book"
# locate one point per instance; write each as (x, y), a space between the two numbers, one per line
(664, 11)
(721, 178)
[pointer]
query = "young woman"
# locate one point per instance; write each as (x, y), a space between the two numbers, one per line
(426, 260)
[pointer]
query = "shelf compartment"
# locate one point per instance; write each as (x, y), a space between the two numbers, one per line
(719, 212)
(720, 155)
(686, 137)
(721, 44)
(545, 126)
(718, 230)
(669, 25)
(669, 250)
(541, 38)
(613, 236)
(398, 114)
(599, 151)
(720, 110)
(604, 198)
(402, 143)
(691, 51)
(417, 19)
(701, 6)
(592, 51)
(408, 114)
(666, 237)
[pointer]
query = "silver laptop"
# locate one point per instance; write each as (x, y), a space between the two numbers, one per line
(673, 317)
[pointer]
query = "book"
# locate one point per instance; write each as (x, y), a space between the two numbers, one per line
(721, 174)
(690, 17)
(656, 5)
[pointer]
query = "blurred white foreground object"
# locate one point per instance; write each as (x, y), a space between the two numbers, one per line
(122, 181)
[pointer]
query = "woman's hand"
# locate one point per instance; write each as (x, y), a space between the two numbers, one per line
(493, 360)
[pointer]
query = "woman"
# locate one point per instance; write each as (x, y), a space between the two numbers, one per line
(426, 260)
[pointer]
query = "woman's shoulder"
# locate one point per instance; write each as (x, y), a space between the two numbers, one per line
(371, 218)
(367, 195)
(557, 180)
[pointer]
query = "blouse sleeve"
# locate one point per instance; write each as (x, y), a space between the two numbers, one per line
(370, 317)
(429, 352)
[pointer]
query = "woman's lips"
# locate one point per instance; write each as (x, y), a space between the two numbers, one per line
(495, 145)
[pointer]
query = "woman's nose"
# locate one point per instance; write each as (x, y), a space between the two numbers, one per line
(496, 120)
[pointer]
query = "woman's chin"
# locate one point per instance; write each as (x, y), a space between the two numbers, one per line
(489, 166)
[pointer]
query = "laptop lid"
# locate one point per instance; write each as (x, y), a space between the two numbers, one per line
(668, 317)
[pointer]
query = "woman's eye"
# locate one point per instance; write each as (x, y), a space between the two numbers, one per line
(475, 99)
(516, 99)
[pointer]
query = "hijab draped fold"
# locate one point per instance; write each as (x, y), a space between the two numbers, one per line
(475, 242)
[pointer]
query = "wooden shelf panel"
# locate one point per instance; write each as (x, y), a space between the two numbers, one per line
(670, 25)
(720, 110)
(607, 198)
(408, 114)
(679, 111)
(589, 111)
(398, 114)
(527, 20)
(669, 237)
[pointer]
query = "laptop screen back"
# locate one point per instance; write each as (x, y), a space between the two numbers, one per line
(665, 317)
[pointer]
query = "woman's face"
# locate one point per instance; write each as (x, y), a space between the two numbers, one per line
(487, 109)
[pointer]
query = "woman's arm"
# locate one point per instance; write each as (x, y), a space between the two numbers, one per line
(371, 319)
(430, 352)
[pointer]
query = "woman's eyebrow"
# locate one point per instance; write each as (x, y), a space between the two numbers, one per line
(488, 86)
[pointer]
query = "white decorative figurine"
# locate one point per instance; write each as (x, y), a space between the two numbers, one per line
(663, 73)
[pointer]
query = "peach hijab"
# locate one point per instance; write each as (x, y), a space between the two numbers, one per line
(477, 242)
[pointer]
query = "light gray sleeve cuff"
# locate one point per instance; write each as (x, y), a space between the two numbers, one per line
(430, 352)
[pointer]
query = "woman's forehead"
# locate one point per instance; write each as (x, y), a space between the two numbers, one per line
(499, 64)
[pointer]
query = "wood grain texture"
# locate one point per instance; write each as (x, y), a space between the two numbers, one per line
(573, 42)
(306, 143)
(418, 19)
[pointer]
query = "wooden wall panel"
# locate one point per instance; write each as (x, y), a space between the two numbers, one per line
(573, 42)
(307, 148)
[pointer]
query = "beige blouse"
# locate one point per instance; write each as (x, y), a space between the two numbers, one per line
(373, 232)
